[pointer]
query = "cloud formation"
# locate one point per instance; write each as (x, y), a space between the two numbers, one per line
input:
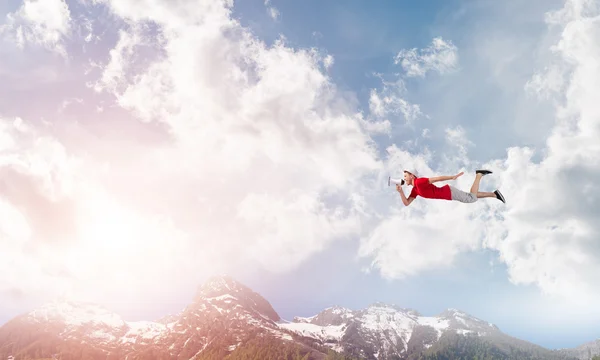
(40, 22)
(271, 10)
(229, 151)
(441, 57)
(551, 224)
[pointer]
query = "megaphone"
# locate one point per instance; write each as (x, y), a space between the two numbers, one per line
(395, 181)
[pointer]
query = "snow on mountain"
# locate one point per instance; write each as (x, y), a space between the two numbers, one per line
(143, 332)
(331, 316)
(76, 314)
(83, 320)
(465, 323)
(384, 329)
(331, 333)
(439, 325)
(222, 293)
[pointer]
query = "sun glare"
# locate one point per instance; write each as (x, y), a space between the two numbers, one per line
(122, 250)
(111, 237)
(109, 226)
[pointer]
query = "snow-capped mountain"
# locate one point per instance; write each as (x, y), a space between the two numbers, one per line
(223, 315)
(384, 331)
(92, 324)
(71, 329)
(228, 318)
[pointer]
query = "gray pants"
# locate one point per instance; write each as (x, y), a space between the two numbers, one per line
(462, 196)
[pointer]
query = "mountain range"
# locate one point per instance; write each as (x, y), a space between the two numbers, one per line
(227, 320)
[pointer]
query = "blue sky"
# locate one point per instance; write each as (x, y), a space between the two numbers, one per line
(365, 38)
(171, 144)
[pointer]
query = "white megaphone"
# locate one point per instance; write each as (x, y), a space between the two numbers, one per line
(395, 181)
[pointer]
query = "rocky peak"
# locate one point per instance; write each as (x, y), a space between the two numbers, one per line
(392, 307)
(221, 285)
(224, 293)
(451, 312)
(335, 315)
(460, 320)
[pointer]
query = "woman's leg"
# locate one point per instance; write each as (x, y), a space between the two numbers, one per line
(478, 175)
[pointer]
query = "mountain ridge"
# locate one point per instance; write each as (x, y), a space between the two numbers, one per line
(226, 319)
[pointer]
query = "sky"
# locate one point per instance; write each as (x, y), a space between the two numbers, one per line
(147, 145)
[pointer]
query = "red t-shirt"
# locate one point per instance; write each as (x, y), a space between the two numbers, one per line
(422, 187)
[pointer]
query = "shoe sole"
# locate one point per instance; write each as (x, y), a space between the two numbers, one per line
(499, 196)
(483, 172)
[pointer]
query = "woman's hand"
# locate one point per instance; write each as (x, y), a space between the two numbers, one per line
(457, 175)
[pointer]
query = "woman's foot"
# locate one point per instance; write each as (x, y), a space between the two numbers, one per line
(499, 196)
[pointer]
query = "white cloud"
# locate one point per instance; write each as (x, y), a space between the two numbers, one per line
(391, 98)
(457, 139)
(42, 22)
(376, 127)
(328, 61)
(289, 227)
(441, 56)
(546, 83)
(37, 183)
(273, 12)
(393, 104)
(389, 101)
(550, 225)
